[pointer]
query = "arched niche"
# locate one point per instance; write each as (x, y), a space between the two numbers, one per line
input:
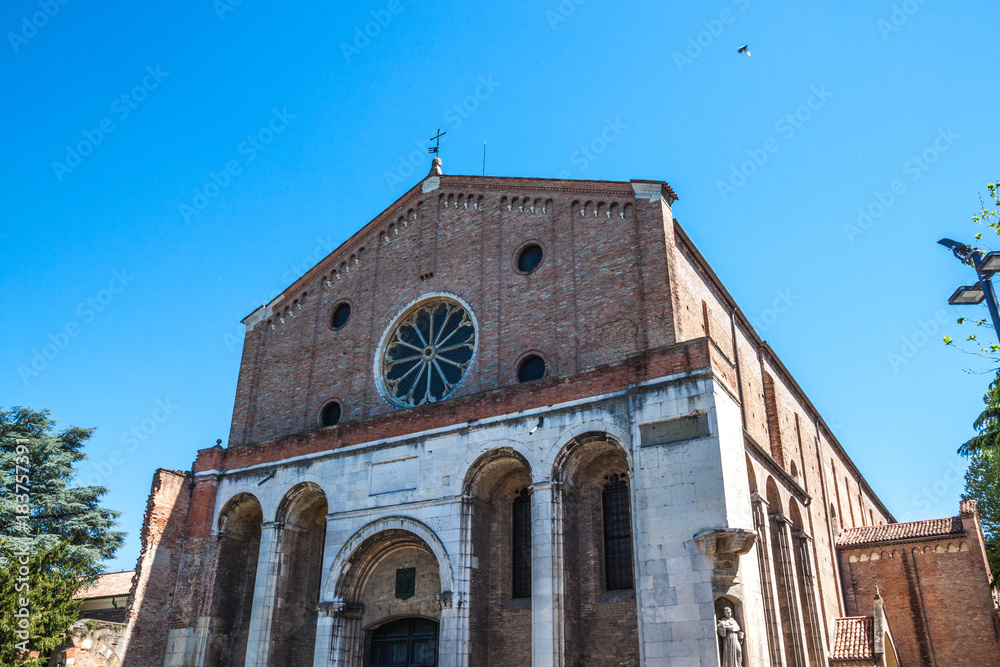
(301, 522)
(499, 488)
(238, 551)
(598, 549)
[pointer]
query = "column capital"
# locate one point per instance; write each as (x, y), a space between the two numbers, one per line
(803, 535)
(759, 499)
(449, 599)
(341, 608)
(781, 518)
(272, 525)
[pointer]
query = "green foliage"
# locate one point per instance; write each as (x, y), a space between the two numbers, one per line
(37, 474)
(36, 600)
(982, 484)
(987, 218)
(987, 424)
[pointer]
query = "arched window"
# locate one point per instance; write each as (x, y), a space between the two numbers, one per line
(617, 535)
(520, 560)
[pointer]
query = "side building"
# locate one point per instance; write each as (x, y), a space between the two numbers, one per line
(510, 421)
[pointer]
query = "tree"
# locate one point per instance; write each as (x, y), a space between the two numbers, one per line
(982, 484)
(989, 219)
(36, 601)
(37, 474)
(987, 424)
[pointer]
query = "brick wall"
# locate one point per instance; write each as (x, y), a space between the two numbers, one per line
(598, 295)
(155, 579)
(936, 593)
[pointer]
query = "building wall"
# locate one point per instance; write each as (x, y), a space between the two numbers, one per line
(641, 341)
(586, 305)
(936, 593)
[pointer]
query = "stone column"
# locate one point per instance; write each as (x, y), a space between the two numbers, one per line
(775, 643)
(817, 634)
(264, 592)
(791, 582)
(547, 581)
(322, 655)
(346, 635)
(453, 650)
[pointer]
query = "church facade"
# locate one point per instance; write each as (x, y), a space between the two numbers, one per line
(520, 421)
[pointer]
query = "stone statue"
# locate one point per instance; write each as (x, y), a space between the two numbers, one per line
(729, 630)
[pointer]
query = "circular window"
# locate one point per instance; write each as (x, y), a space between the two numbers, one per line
(529, 258)
(341, 314)
(427, 352)
(532, 368)
(330, 416)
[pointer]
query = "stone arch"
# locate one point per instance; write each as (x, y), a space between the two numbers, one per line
(472, 468)
(238, 547)
(340, 585)
(368, 571)
(592, 471)
(500, 530)
(301, 534)
(580, 441)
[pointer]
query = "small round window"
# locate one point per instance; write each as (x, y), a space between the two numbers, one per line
(532, 368)
(341, 314)
(330, 416)
(529, 258)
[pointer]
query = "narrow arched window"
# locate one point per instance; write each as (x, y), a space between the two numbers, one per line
(520, 559)
(617, 535)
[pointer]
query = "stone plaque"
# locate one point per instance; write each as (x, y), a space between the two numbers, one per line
(395, 475)
(406, 582)
(688, 427)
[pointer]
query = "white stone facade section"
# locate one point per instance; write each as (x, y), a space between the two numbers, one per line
(679, 489)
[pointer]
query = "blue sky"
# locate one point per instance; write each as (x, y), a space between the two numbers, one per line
(169, 168)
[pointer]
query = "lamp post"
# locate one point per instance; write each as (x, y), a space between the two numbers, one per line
(985, 265)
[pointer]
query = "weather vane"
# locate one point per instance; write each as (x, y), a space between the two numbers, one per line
(436, 148)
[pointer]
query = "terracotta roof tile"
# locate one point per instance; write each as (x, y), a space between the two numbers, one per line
(112, 584)
(892, 532)
(853, 638)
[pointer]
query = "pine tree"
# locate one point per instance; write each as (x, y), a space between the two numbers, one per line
(37, 474)
(36, 601)
(987, 424)
(982, 484)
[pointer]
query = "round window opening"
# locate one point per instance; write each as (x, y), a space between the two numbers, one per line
(340, 315)
(330, 416)
(427, 352)
(531, 368)
(529, 258)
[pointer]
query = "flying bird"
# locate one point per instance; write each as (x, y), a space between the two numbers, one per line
(744, 49)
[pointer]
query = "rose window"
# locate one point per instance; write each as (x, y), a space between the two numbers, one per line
(427, 353)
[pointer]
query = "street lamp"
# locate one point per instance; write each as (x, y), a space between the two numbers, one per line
(985, 265)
